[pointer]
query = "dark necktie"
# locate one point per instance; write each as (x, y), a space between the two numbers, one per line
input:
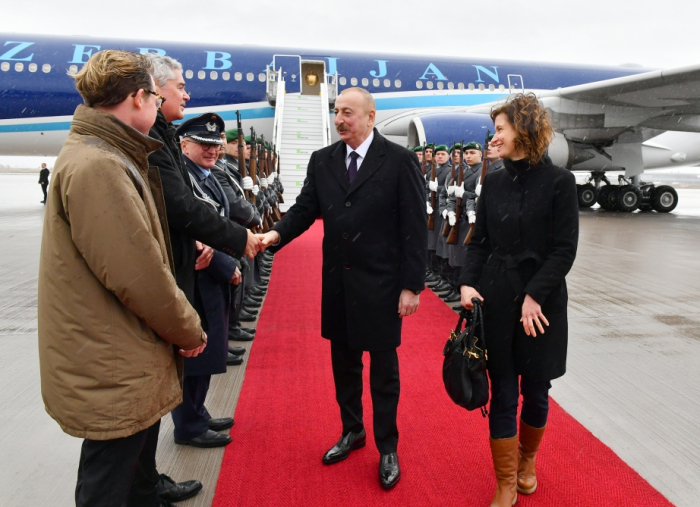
(352, 168)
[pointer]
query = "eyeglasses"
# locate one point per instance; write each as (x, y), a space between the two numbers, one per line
(159, 98)
(205, 146)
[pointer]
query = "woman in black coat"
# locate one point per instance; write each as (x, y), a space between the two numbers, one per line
(524, 244)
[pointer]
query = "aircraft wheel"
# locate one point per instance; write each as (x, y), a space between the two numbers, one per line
(628, 198)
(664, 199)
(586, 195)
(609, 200)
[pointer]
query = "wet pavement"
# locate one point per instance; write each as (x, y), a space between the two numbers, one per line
(633, 378)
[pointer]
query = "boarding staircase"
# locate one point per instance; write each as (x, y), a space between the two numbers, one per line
(301, 126)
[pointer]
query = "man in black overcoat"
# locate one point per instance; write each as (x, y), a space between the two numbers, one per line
(44, 180)
(370, 193)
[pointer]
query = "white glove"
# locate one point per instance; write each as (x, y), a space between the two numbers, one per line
(430, 208)
(451, 189)
(272, 177)
(263, 182)
(444, 214)
(478, 190)
(459, 192)
(452, 217)
(471, 216)
(256, 189)
(247, 183)
(432, 185)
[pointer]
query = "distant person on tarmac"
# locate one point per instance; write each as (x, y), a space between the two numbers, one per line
(44, 180)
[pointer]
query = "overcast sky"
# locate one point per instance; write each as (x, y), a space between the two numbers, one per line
(648, 33)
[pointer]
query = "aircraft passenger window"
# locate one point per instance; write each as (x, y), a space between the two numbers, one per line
(501, 87)
(214, 75)
(72, 70)
(440, 85)
(353, 81)
(262, 77)
(460, 86)
(19, 67)
(365, 81)
(397, 83)
(5, 66)
(481, 86)
(32, 67)
(471, 86)
(225, 76)
(429, 85)
(419, 84)
(387, 83)
(201, 74)
(375, 82)
(238, 76)
(491, 87)
(249, 76)
(189, 74)
(450, 86)
(46, 68)
(342, 81)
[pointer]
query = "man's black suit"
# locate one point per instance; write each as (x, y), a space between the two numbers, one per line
(374, 246)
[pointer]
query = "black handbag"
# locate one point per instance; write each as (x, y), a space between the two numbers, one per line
(464, 366)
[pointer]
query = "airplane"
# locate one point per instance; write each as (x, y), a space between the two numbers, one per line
(606, 118)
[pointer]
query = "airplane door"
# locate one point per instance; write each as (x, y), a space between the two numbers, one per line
(515, 83)
(291, 71)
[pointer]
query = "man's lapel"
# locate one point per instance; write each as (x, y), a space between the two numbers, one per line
(338, 167)
(372, 162)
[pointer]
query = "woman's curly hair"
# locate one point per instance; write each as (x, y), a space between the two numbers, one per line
(531, 123)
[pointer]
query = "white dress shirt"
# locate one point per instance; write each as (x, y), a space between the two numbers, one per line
(361, 151)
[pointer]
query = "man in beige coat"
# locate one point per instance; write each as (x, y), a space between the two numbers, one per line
(111, 317)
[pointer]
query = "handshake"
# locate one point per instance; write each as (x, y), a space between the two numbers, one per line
(260, 242)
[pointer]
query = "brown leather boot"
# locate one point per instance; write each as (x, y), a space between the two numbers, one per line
(530, 439)
(504, 452)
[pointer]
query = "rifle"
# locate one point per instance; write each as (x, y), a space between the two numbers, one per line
(267, 157)
(454, 232)
(433, 195)
(484, 170)
(278, 166)
(254, 171)
(241, 162)
(269, 222)
(446, 227)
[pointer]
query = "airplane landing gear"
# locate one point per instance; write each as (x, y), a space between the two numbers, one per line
(626, 196)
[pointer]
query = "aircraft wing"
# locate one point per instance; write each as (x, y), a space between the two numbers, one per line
(655, 101)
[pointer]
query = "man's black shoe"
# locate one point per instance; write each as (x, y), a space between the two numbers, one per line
(442, 289)
(251, 303)
(249, 330)
(233, 360)
(239, 351)
(345, 445)
(258, 292)
(246, 317)
(452, 298)
(251, 311)
(220, 424)
(172, 491)
(236, 334)
(389, 471)
(207, 440)
(256, 299)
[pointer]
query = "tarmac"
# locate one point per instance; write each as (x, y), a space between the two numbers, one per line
(634, 349)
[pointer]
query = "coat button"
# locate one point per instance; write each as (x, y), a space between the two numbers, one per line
(347, 266)
(346, 235)
(348, 204)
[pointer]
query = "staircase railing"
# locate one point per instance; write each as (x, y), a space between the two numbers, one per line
(279, 110)
(325, 117)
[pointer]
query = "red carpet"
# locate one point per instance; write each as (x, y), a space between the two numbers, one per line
(287, 418)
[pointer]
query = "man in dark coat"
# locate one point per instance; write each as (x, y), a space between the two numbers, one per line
(194, 426)
(44, 180)
(370, 193)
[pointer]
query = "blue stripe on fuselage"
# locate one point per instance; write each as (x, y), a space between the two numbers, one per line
(383, 104)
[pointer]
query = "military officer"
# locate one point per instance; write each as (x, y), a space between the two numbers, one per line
(495, 163)
(200, 141)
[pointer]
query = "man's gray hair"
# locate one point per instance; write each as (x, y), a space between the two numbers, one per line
(163, 67)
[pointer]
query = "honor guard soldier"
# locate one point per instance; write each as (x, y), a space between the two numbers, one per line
(442, 171)
(471, 173)
(495, 163)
